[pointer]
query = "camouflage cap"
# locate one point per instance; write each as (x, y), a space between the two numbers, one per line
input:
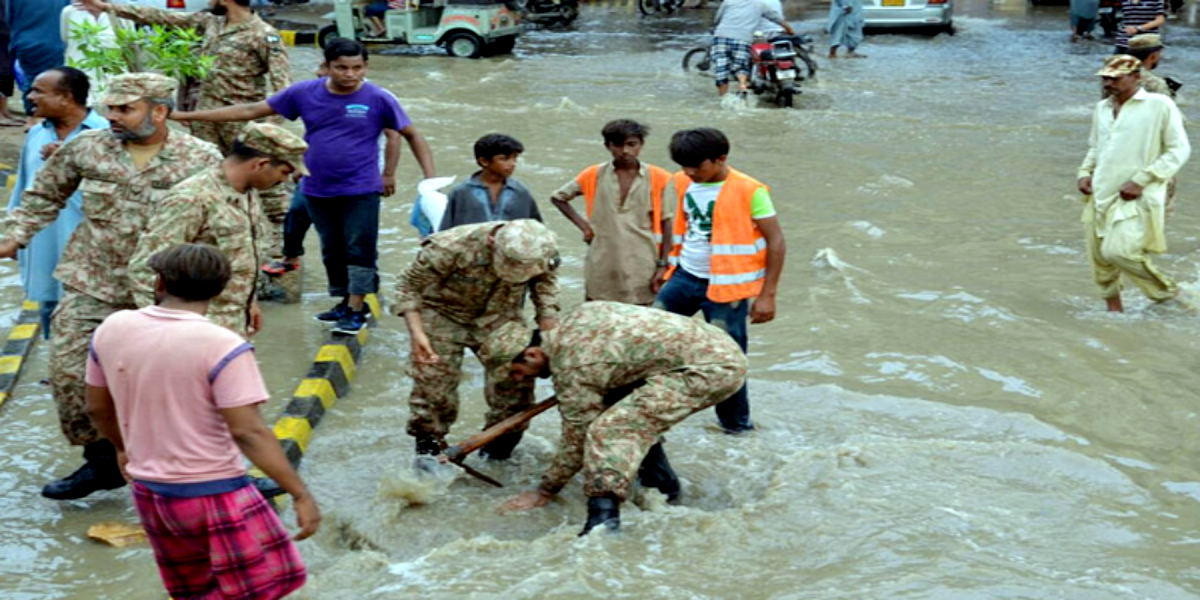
(524, 249)
(1146, 42)
(276, 142)
(131, 87)
(505, 342)
(1118, 65)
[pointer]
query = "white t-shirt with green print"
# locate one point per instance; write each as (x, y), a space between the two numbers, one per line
(698, 202)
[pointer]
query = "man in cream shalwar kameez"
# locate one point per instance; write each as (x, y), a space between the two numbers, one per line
(1137, 144)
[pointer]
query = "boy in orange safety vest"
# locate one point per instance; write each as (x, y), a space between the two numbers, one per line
(627, 255)
(729, 249)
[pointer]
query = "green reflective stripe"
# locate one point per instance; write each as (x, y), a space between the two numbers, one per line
(740, 249)
(738, 278)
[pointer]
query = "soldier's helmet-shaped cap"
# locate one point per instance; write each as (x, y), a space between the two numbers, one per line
(1119, 65)
(1146, 42)
(131, 87)
(506, 342)
(276, 142)
(524, 249)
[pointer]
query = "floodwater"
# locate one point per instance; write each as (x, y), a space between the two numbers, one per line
(945, 410)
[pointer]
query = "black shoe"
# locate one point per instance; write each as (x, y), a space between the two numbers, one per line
(429, 445)
(335, 313)
(352, 322)
(603, 511)
(100, 472)
(656, 472)
(739, 430)
(502, 447)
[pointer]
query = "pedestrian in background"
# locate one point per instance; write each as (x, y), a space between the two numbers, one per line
(846, 24)
(36, 41)
(1124, 177)
(59, 97)
(1082, 16)
(1137, 17)
(627, 228)
(732, 251)
(8, 73)
(181, 421)
(491, 193)
(76, 16)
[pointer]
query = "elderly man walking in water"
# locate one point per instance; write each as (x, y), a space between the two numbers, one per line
(1129, 162)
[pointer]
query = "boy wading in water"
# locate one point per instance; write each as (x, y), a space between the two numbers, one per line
(180, 421)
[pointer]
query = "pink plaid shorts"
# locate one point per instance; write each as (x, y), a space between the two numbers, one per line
(224, 546)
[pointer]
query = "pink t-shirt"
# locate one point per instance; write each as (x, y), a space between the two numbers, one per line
(169, 371)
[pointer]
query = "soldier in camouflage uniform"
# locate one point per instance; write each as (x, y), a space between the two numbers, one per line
(249, 65)
(624, 375)
(464, 284)
(220, 207)
(124, 173)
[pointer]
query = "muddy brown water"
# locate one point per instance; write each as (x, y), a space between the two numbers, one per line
(945, 411)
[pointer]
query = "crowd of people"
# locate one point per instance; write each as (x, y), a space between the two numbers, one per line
(129, 229)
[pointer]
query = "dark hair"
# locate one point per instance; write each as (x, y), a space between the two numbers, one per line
(245, 3)
(690, 147)
(616, 132)
(74, 83)
(192, 272)
(494, 144)
(242, 153)
(339, 47)
(534, 340)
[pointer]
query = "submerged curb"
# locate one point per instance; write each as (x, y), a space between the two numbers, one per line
(16, 348)
(297, 38)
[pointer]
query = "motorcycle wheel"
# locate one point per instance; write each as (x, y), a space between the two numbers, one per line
(697, 59)
(786, 97)
(568, 16)
(647, 7)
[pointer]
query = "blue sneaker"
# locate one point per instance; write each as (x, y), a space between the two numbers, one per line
(351, 322)
(334, 314)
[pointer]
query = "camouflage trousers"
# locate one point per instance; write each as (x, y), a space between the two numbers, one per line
(77, 316)
(433, 404)
(618, 440)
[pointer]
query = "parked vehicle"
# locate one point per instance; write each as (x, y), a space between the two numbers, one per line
(649, 7)
(896, 14)
(1110, 16)
(778, 64)
(551, 13)
(178, 5)
(465, 28)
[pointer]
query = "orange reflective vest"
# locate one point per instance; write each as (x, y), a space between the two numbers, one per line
(659, 178)
(739, 250)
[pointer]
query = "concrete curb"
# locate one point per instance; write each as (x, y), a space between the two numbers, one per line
(298, 38)
(16, 348)
(328, 380)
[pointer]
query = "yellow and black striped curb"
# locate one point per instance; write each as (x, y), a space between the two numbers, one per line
(297, 38)
(328, 380)
(16, 348)
(8, 174)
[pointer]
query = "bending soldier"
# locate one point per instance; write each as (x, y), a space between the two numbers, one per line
(624, 375)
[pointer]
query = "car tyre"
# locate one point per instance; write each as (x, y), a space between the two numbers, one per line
(327, 33)
(502, 45)
(464, 45)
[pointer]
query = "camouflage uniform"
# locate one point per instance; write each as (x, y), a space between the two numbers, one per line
(207, 209)
(1156, 84)
(679, 366)
(464, 292)
(250, 62)
(117, 200)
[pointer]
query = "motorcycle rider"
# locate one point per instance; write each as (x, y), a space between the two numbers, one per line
(733, 32)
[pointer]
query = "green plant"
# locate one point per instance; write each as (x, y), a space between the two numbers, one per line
(167, 50)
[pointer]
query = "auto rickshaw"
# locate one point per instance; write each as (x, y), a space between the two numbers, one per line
(465, 28)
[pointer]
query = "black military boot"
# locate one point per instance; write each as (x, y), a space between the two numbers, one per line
(502, 447)
(100, 472)
(656, 472)
(430, 446)
(603, 511)
(427, 450)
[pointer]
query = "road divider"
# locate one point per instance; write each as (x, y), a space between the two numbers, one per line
(17, 346)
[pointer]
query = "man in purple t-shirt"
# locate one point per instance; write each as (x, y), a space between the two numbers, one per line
(343, 116)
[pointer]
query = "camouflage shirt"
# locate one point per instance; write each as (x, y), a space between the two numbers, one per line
(453, 275)
(250, 60)
(602, 346)
(118, 199)
(206, 209)
(1156, 84)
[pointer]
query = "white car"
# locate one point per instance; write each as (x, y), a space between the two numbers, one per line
(179, 5)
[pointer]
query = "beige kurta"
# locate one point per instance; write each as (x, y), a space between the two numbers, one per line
(621, 258)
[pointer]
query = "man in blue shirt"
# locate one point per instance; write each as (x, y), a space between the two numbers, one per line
(59, 96)
(36, 40)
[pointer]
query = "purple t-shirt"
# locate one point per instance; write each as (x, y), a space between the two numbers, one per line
(342, 132)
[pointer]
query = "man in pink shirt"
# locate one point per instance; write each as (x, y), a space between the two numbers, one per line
(178, 397)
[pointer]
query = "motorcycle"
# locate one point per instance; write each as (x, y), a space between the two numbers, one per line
(778, 64)
(551, 13)
(1110, 16)
(649, 7)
